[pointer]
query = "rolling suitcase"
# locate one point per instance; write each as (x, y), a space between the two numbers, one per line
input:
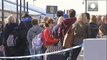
(58, 56)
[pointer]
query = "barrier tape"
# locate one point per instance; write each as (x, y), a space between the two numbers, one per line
(44, 54)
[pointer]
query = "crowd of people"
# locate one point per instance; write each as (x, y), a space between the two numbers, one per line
(53, 32)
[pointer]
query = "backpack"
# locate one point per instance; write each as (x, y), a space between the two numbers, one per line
(55, 31)
(37, 42)
(11, 40)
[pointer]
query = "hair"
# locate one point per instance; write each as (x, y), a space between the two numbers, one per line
(60, 13)
(50, 21)
(104, 18)
(11, 19)
(45, 18)
(82, 18)
(35, 22)
(46, 24)
(60, 19)
(88, 16)
(25, 15)
(98, 17)
(93, 19)
(71, 13)
(99, 20)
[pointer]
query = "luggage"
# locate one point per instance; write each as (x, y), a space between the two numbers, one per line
(69, 38)
(58, 56)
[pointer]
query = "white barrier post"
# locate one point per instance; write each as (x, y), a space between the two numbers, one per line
(95, 49)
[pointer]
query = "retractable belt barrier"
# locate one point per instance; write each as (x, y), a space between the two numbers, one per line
(44, 54)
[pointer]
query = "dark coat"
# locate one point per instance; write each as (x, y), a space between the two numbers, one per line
(8, 29)
(22, 43)
(92, 30)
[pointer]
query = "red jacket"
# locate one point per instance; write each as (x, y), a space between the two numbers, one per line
(47, 37)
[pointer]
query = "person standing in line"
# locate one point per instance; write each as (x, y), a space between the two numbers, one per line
(58, 21)
(103, 26)
(56, 27)
(22, 43)
(59, 13)
(9, 28)
(99, 20)
(93, 27)
(44, 20)
(65, 25)
(47, 34)
(80, 33)
(32, 32)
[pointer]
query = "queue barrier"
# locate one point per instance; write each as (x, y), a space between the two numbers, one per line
(43, 54)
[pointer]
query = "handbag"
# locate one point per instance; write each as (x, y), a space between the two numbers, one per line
(69, 38)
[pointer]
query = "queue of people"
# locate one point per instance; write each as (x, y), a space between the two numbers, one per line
(85, 26)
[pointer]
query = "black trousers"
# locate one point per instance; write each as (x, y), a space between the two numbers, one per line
(9, 51)
(72, 55)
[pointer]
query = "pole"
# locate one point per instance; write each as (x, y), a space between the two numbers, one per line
(20, 9)
(85, 6)
(106, 8)
(24, 5)
(27, 7)
(3, 12)
(3, 27)
(17, 11)
(64, 11)
(33, 2)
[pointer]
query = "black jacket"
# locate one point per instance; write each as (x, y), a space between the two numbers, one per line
(8, 29)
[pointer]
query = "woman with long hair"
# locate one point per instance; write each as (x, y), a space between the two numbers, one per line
(103, 26)
(47, 33)
(93, 27)
(80, 33)
(9, 28)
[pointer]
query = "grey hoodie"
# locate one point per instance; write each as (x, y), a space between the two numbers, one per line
(30, 35)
